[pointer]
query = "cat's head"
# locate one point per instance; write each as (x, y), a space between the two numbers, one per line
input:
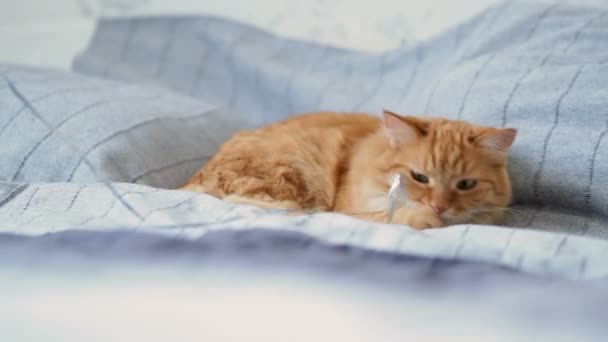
(457, 168)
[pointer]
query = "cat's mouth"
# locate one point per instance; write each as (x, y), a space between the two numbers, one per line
(449, 217)
(450, 220)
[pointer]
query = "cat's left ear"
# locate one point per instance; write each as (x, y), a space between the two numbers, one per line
(498, 140)
(402, 129)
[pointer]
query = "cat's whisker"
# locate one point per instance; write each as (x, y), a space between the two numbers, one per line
(510, 209)
(360, 188)
(372, 192)
(503, 209)
(404, 202)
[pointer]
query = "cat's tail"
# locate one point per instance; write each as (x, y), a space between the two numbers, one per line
(293, 208)
(193, 187)
(268, 204)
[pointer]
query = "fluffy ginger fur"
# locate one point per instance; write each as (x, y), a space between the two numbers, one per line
(455, 172)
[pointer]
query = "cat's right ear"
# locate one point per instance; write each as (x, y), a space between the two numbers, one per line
(497, 141)
(399, 130)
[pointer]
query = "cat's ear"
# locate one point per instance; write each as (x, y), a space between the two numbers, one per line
(402, 129)
(498, 140)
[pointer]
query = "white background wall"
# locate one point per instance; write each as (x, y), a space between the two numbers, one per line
(50, 32)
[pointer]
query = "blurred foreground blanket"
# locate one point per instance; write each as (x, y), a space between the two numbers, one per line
(83, 157)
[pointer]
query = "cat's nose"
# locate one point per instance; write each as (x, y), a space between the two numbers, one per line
(438, 209)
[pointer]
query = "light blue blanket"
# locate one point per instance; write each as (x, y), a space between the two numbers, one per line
(534, 66)
(72, 145)
(87, 167)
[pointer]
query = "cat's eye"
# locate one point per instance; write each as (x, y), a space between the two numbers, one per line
(466, 184)
(418, 177)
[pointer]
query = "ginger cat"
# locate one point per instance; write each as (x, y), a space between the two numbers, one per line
(455, 172)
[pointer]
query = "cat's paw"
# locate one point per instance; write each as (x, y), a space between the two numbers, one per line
(419, 218)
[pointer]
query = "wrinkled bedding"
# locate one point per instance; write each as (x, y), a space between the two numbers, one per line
(537, 69)
(90, 158)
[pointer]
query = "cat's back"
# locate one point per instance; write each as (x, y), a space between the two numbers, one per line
(299, 159)
(324, 121)
(312, 132)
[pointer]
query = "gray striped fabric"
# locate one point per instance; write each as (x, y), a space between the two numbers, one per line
(80, 129)
(538, 67)
(534, 66)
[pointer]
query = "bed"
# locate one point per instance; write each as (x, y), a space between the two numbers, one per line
(97, 133)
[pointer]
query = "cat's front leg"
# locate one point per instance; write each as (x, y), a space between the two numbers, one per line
(418, 218)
